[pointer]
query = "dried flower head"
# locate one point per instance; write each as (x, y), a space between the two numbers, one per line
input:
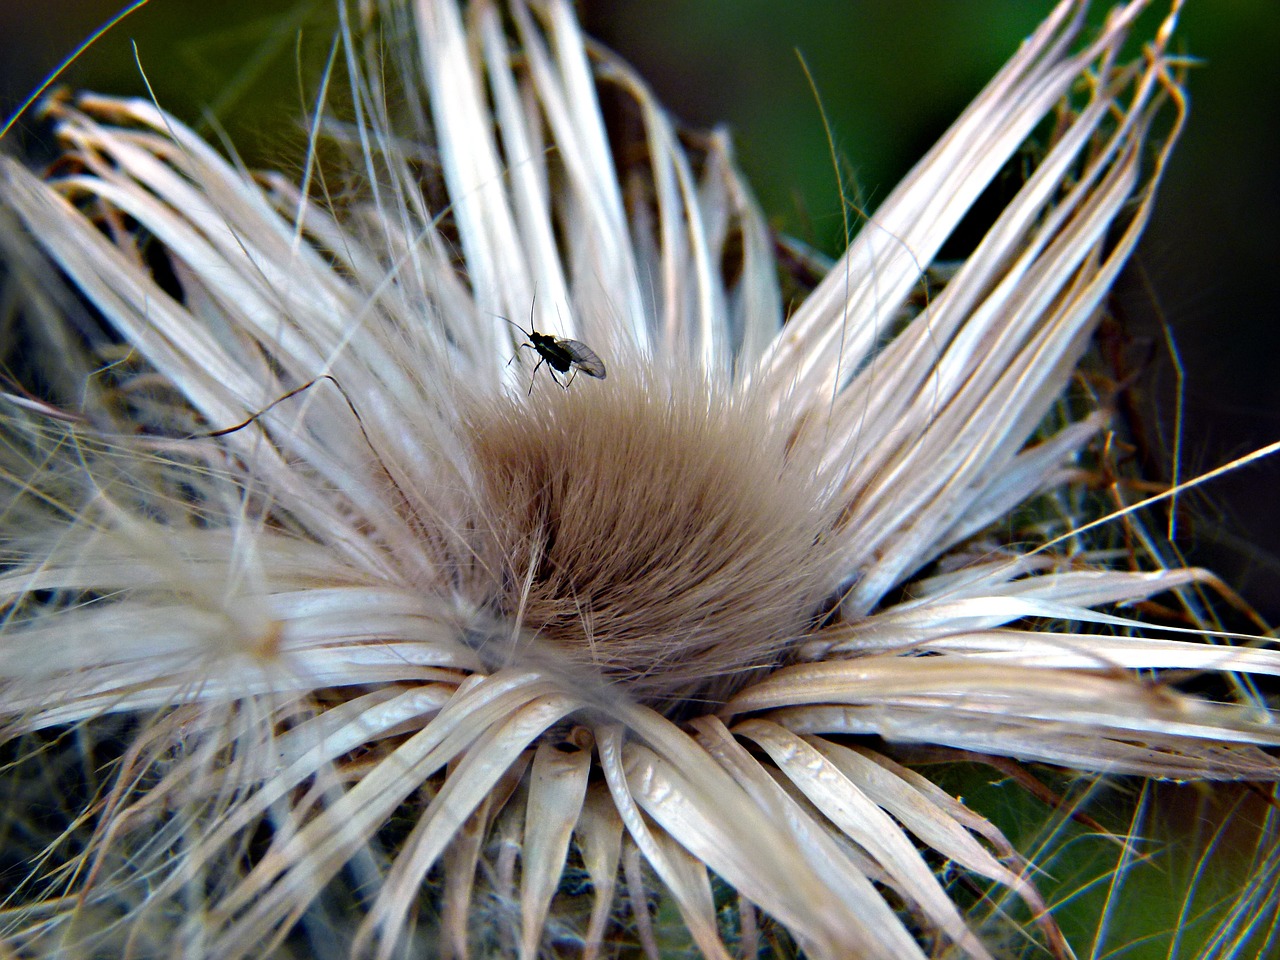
(446, 655)
(654, 534)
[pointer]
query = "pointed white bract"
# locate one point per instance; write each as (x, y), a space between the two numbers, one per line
(433, 657)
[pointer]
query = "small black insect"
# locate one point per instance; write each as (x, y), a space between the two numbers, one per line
(565, 356)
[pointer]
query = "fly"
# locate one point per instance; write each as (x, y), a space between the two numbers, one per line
(564, 356)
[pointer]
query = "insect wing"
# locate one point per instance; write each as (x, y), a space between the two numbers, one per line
(583, 357)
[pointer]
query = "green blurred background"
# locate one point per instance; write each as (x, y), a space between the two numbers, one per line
(891, 76)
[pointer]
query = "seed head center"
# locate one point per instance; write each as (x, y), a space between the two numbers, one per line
(659, 537)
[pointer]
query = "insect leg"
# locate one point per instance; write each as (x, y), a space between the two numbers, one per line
(517, 353)
(533, 378)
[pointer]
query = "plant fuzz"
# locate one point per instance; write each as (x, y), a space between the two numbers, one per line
(656, 532)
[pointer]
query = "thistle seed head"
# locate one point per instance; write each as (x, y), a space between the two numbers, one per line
(653, 528)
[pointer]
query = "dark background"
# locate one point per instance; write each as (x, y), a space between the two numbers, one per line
(890, 76)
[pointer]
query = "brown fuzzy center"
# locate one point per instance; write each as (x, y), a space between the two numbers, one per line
(655, 534)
